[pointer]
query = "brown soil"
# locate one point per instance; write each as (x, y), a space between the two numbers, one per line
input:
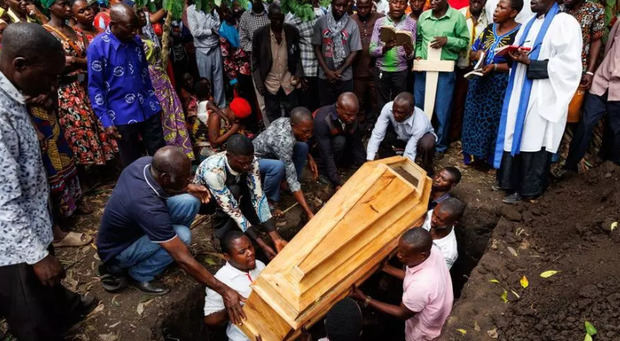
(568, 230)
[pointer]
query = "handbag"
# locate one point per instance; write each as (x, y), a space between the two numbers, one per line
(574, 107)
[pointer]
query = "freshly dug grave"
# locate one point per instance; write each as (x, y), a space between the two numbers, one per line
(572, 230)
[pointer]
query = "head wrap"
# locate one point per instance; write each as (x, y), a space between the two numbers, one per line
(240, 107)
(47, 3)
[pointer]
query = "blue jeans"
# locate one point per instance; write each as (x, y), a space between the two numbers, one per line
(443, 103)
(272, 171)
(145, 259)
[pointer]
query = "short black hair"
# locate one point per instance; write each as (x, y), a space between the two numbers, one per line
(202, 88)
(455, 173)
(453, 206)
(516, 4)
(343, 321)
(418, 239)
(229, 237)
(300, 114)
(30, 41)
(407, 97)
(239, 144)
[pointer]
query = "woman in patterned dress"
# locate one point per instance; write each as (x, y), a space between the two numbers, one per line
(82, 130)
(173, 119)
(84, 15)
(485, 95)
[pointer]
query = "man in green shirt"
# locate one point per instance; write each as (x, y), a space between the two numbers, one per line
(444, 28)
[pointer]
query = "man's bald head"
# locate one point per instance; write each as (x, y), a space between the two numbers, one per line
(123, 22)
(414, 246)
(31, 58)
(171, 169)
(347, 107)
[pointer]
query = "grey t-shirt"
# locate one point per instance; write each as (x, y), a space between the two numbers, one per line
(353, 43)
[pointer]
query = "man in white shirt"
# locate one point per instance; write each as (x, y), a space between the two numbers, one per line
(240, 271)
(440, 223)
(400, 126)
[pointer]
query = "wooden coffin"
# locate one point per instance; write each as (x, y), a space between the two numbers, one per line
(341, 246)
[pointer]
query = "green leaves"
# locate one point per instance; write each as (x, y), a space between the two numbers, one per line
(590, 330)
(548, 273)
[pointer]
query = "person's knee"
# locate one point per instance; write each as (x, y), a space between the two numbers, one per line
(184, 233)
(301, 148)
(427, 144)
(185, 204)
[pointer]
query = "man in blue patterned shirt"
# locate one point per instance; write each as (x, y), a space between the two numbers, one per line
(120, 88)
(34, 303)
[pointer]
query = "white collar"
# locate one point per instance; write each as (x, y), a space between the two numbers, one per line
(11, 90)
(232, 171)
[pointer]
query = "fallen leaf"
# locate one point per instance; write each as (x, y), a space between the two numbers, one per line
(494, 281)
(587, 338)
(515, 293)
(590, 328)
(548, 273)
(462, 331)
(140, 308)
(114, 324)
(108, 337)
(512, 251)
(492, 333)
(505, 296)
(613, 225)
(476, 326)
(97, 310)
(524, 282)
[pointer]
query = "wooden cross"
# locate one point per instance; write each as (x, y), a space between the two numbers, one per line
(432, 65)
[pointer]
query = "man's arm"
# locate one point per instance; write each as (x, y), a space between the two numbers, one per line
(244, 35)
(378, 134)
(96, 85)
(376, 45)
(355, 45)
(461, 35)
(255, 58)
(285, 154)
(180, 253)
(398, 311)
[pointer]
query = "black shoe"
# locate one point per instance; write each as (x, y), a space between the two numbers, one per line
(89, 303)
(152, 287)
(114, 283)
(512, 199)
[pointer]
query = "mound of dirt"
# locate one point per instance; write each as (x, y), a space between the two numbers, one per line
(571, 230)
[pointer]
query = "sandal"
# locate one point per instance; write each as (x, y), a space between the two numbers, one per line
(74, 239)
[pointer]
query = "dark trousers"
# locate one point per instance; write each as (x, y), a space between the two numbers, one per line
(246, 91)
(594, 108)
(458, 105)
(425, 149)
(347, 150)
(131, 147)
(389, 84)
(273, 102)
(366, 92)
(526, 173)
(329, 92)
(34, 311)
(308, 96)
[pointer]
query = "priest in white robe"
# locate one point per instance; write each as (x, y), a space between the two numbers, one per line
(541, 85)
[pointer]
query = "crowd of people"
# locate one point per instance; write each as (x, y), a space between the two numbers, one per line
(226, 120)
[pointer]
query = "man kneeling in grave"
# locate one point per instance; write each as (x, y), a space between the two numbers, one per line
(233, 178)
(240, 270)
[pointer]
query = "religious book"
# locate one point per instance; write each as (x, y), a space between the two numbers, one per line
(477, 71)
(504, 50)
(402, 37)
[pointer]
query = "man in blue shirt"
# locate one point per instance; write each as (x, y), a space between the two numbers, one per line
(145, 226)
(120, 89)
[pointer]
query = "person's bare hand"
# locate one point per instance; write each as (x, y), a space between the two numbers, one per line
(332, 76)
(49, 271)
(388, 46)
(199, 191)
(113, 132)
(313, 168)
(279, 244)
(521, 56)
(439, 42)
(337, 188)
(232, 302)
(487, 69)
(310, 214)
(40, 100)
(586, 81)
(408, 49)
(357, 294)
(475, 55)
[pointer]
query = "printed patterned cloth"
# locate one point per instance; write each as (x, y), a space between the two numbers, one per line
(591, 17)
(119, 85)
(24, 216)
(173, 121)
(82, 130)
(248, 24)
(278, 141)
(213, 173)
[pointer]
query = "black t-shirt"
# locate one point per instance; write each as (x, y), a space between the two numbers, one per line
(137, 207)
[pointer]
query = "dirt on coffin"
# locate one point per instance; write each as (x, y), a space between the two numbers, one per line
(340, 247)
